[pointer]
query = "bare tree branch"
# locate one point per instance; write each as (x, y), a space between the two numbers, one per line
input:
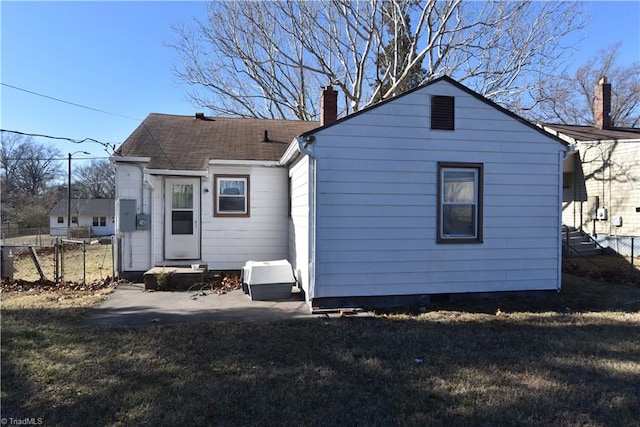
(568, 99)
(270, 59)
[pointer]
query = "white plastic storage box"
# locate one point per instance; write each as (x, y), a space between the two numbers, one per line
(268, 280)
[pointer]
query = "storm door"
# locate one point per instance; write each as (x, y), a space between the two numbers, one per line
(181, 219)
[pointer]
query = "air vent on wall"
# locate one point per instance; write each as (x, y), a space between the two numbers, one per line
(442, 112)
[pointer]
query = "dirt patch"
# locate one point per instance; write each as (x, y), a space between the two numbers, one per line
(220, 284)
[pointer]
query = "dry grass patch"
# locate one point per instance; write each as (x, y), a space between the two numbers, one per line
(612, 267)
(98, 263)
(534, 363)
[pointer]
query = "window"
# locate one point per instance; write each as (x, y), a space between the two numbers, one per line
(60, 220)
(74, 220)
(232, 195)
(460, 202)
(182, 209)
(442, 112)
(99, 221)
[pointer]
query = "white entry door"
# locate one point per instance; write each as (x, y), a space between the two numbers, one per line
(182, 218)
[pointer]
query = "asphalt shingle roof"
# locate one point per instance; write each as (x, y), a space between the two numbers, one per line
(85, 207)
(188, 143)
(591, 133)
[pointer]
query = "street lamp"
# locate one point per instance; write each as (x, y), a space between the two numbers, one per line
(69, 191)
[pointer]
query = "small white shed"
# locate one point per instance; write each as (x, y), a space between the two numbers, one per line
(436, 191)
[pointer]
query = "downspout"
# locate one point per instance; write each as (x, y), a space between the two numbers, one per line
(152, 224)
(303, 147)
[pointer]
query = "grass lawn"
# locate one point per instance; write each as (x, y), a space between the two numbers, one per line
(573, 359)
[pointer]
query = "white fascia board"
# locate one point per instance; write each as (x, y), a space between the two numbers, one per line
(130, 159)
(291, 153)
(611, 141)
(558, 134)
(175, 172)
(243, 162)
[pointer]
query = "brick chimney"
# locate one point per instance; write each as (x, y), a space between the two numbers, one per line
(602, 104)
(329, 106)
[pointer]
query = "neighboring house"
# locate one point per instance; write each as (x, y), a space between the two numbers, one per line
(601, 190)
(95, 214)
(435, 191)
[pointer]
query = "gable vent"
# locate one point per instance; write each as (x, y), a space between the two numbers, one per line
(442, 112)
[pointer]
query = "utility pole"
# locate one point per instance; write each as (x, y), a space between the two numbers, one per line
(69, 192)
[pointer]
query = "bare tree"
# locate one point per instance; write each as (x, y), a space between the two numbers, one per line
(28, 166)
(270, 59)
(10, 156)
(568, 98)
(29, 170)
(95, 180)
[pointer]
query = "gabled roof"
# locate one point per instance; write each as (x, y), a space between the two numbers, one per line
(590, 133)
(188, 143)
(85, 207)
(455, 84)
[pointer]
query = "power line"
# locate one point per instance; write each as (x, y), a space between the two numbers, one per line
(19, 159)
(69, 102)
(106, 145)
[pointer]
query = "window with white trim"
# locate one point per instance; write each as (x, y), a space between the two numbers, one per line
(231, 195)
(99, 221)
(60, 220)
(460, 202)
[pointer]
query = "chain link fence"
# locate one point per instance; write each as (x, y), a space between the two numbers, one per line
(66, 260)
(619, 263)
(625, 246)
(26, 236)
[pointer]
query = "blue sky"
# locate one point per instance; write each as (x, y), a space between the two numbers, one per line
(112, 56)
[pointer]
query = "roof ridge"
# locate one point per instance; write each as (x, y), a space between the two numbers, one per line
(192, 116)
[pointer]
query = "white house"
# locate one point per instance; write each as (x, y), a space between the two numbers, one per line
(436, 191)
(602, 174)
(96, 215)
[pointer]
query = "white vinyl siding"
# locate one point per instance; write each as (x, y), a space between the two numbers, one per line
(229, 242)
(299, 222)
(135, 246)
(376, 202)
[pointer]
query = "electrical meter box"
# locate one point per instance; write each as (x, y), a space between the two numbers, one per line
(601, 214)
(142, 222)
(126, 214)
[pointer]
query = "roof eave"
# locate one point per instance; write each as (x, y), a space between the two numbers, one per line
(176, 172)
(291, 154)
(130, 159)
(566, 138)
